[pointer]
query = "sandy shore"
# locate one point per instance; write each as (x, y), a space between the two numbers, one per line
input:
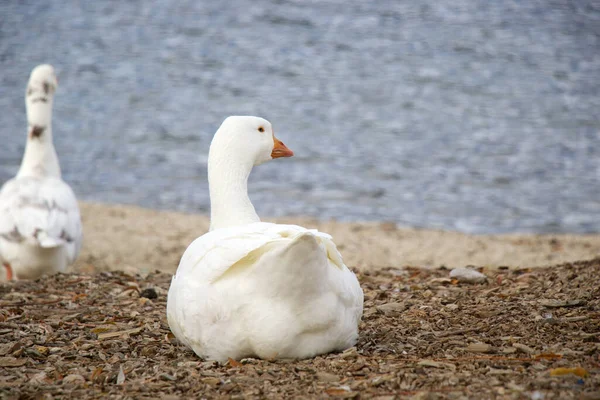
(132, 238)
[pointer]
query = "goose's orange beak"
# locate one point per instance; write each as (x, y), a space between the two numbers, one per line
(280, 149)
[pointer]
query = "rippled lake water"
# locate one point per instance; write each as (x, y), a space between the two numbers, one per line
(468, 115)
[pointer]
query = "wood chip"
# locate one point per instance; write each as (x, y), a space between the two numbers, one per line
(391, 308)
(109, 335)
(524, 348)
(415, 348)
(12, 362)
(562, 303)
(480, 348)
(327, 377)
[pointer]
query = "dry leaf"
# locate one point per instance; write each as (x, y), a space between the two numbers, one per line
(170, 338)
(342, 391)
(548, 356)
(96, 373)
(119, 333)
(100, 329)
(566, 371)
(234, 363)
(411, 355)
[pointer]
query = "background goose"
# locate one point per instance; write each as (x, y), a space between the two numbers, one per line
(40, 226)
(254, 289)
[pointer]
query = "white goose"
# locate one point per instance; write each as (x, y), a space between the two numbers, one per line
(255, 289)
(40, 226)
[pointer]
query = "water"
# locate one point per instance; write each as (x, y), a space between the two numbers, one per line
(468, 115)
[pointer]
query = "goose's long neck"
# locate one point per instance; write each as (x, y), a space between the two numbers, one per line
(229, 201)
(40, 159)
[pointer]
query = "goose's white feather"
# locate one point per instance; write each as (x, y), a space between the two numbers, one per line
(264, 290)
(40, 226)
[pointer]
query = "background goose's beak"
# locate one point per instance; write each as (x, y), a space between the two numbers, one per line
(280, 149)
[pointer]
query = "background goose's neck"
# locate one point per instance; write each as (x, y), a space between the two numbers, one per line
(40, 159)
(229, 201)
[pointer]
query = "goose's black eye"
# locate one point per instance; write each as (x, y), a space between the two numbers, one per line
(261, 129)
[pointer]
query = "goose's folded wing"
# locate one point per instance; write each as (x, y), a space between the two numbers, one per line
(43, 212)
(214, 253)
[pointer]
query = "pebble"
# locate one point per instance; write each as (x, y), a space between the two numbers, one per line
(467, 275)
(149, 293)
(120, 376)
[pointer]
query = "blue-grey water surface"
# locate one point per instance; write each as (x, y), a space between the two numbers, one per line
(478, 116)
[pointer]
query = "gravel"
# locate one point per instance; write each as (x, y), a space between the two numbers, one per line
(521, 334)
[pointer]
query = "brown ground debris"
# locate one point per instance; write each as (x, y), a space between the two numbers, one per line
(525, 333)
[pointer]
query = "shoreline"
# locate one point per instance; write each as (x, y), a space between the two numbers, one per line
(136, 239)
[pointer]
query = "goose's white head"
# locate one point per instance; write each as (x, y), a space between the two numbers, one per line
(239, 144)
(247, 140)
(39, 97)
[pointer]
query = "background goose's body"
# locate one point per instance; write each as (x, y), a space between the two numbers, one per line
(40, 225)
(249, 288)
(40, 229)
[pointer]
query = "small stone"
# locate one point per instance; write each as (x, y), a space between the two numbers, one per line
(149, 293)
(537, 395)
(467, 275)
(168, 377)
(120, 376)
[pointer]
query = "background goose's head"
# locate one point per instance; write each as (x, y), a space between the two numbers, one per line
(42, 84)
(38, 101)
(250, 140)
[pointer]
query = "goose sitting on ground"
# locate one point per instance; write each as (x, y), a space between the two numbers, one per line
(40, 226)
(255, 289)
